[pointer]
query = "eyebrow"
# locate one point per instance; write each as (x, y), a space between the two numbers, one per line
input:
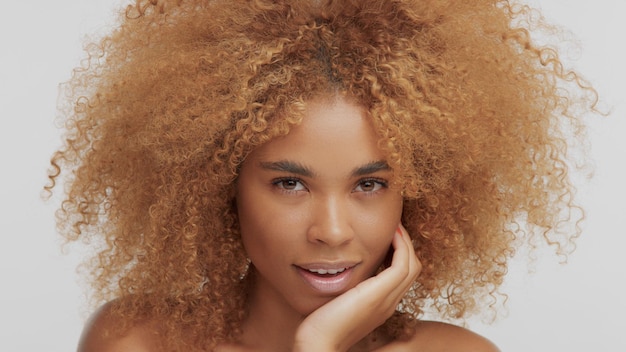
(299, 169)
(371, 168)
(288, 166)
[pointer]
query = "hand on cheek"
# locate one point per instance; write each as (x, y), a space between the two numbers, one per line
(347, 319)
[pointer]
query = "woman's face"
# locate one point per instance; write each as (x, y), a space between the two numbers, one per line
(315, 210)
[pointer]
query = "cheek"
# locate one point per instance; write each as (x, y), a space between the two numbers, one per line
(378, 223)
(267, 227)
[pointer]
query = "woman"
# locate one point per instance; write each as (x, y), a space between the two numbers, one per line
(312, 175)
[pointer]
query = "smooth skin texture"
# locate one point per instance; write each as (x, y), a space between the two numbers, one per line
(319, 198)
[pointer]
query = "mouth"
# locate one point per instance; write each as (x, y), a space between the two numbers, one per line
(327, 272)
(327, 279)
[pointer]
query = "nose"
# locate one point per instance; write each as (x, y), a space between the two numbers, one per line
(330, 223)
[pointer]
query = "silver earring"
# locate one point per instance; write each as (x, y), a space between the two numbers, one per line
(245, 269)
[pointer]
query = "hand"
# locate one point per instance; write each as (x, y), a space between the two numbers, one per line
(344, 321)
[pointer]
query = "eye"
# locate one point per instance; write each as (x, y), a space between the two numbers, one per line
(370, 185)
(289, 184)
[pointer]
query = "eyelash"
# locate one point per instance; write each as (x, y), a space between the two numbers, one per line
(279, 183)
(379, 184)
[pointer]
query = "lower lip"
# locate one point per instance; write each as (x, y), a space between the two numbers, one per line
(327, 284)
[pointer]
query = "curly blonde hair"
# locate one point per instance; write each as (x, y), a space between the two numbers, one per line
(474, 117)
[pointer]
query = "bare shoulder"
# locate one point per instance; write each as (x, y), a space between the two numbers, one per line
(432, 336)
(99, 335)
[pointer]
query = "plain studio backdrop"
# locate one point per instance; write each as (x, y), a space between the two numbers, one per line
(579, 306)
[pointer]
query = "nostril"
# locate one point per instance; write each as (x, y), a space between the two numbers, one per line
(330, 222)
(331, 237)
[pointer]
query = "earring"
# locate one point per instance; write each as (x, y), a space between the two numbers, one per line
(245, 269)
(205, 280)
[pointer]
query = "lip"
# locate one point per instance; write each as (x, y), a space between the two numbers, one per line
(327, 284)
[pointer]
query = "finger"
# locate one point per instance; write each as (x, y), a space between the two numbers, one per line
(403, 260)
(401, 249)
(389, 287)
(405, 267)
(392, 283)
(415, 266)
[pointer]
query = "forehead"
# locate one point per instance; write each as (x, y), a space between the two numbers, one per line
(333, 133)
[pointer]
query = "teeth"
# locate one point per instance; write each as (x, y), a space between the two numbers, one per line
(329, 271)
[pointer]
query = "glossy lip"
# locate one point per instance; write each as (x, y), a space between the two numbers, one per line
(330, 284)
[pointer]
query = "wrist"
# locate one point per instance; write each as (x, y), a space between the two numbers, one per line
(310, 341)
(313, 347)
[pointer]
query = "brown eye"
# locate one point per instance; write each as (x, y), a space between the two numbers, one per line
(370, 185)
(289, 184)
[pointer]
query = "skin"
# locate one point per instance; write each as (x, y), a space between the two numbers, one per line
(318, 198)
